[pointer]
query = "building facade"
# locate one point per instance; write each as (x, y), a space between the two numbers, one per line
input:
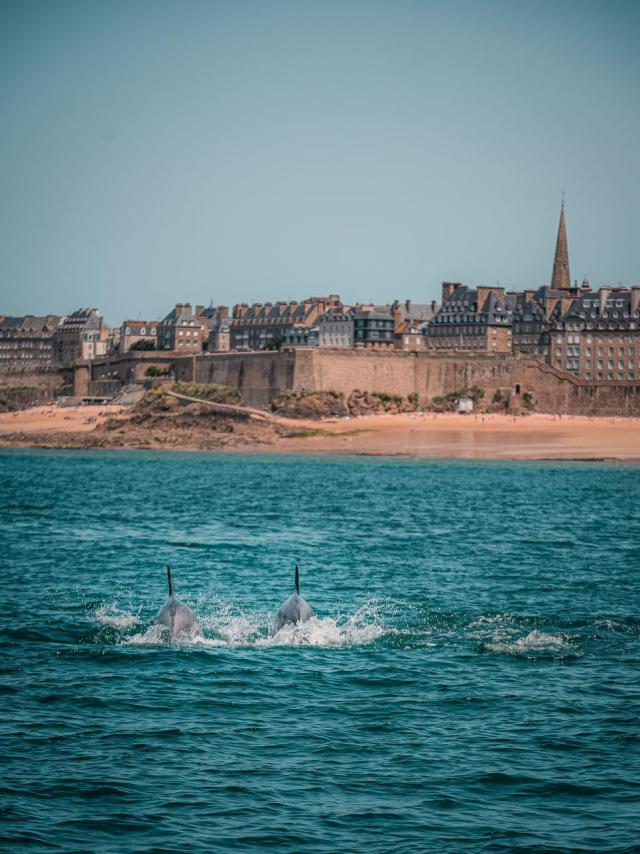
(335, 328)
(471, 319)
(217, 318)
(183, 329)
(302, 336)
(259, 326)
(26, 342)
(411, 321)
(598, 336)
(373, 328)
(592, 334)
(81, 335)
(135, 334)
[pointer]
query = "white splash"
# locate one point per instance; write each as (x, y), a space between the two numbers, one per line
(534, 642)
(157, 635)
(325, 632)
(229, 626)
(111, 615)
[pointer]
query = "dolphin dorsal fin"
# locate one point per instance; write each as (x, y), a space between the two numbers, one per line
(170, 580)
(296, 582)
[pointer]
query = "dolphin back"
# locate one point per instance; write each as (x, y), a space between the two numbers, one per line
(295, 609)
(177, 617)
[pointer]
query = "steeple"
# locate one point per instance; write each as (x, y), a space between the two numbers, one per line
(560, 278)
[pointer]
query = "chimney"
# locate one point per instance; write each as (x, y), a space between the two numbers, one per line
(483, 293)
(199, 310)
(604, 293)
(223, 311)
(448, 288)
(529, 295)
(434, 306)
(407, 305)
(635, 299)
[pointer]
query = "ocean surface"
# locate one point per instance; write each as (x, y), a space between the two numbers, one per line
(470, 682)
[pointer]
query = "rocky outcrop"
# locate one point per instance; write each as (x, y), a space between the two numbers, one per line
(334, 404)
(160, 421)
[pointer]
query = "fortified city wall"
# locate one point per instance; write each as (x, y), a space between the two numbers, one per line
(262, 376)
(29, 387)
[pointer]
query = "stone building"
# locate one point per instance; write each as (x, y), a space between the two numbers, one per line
(471, 319)
(218, 322)
(301, 336)
(136, 333)
(373, 328)
(81, 335)
(220, 337)
(597, 336)
(411, 321)
(488, 319)
(335, 328)
(261, 325)
(183, 329)
(26, 342)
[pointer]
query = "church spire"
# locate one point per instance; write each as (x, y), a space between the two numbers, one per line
(560, 278)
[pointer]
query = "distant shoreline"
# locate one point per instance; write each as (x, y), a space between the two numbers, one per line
(448, 436)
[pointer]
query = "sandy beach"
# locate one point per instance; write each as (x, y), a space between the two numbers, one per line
(417, 434)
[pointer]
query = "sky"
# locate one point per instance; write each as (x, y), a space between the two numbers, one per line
(161, 152)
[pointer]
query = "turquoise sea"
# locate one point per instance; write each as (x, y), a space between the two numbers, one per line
(470, 684)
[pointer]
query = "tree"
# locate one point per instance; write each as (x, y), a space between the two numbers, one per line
(144, 344)
(274, 343)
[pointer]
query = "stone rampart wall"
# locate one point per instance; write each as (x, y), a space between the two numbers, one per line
(262, 376)
(259, 376)
(26, 388)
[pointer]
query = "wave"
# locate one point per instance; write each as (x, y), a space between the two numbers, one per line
(225, 623)
(534, 643)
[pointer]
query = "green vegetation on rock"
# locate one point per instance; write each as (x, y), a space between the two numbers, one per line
(208, 391)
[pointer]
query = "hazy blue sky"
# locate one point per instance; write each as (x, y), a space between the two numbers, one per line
(154, 152)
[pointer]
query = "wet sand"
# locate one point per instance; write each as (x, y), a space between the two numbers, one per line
(482, 436)
(419, 434)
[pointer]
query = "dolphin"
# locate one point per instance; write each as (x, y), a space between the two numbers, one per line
(178, 618)
(294, 609)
